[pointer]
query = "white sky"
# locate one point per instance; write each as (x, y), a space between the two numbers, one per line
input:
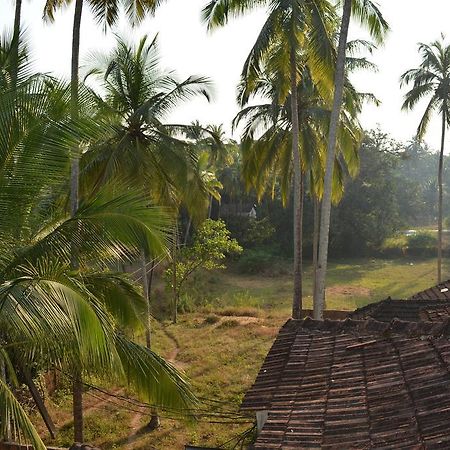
(189, 49)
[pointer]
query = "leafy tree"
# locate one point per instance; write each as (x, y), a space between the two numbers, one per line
(432, 79)
(211, 245)
(367, 13)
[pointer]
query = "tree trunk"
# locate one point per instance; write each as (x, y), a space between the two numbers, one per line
(75, 169)
(146, 286)
(39, 402)
(174, 274)
(316, 214)
(210, 206)
(297, 295)
(440, 173)
(188, 229)
(77, 390)
(15, 44)
(77, 395)
(154, 422)
(331, 153)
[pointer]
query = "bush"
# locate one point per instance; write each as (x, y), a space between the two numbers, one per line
(422, 243)
(211, 319)
(255, 261)
(238, 311)
(395, 246)
(230, 323)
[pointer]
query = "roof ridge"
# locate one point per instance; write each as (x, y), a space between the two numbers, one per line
(374, 327)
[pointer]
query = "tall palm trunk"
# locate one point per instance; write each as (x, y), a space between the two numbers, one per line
(77, 389)
(174, 274)
(15, 43)
(331, 152)
(316, 223)
(147, 280)
(297, 295)
(145, 289)
(440, 173)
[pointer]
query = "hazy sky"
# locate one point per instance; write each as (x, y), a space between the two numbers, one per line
(189, 49)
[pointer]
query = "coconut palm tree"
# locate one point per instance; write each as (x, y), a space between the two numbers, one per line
(432, 79)
(267, 153)
(49, 313)
(143, 148)
(368, 15)
(309, 26)
(107, 13)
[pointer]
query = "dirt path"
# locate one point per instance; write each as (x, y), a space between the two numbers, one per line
(173, 354)
(172, 358)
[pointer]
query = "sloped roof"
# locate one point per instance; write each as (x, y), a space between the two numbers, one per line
(408, 310)
(355, 384)
(440, 291)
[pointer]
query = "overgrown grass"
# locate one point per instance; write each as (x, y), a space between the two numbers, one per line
(223, 343)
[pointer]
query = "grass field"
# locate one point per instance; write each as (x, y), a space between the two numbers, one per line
(222, 344)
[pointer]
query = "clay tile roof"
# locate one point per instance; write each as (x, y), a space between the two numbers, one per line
(355, 384)
(409, 310)
(441, 291)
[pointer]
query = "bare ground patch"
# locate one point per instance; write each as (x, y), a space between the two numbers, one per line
(348, 290)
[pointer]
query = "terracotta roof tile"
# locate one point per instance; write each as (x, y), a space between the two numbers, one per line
(409, 310)
(440, 291)
(355, 384)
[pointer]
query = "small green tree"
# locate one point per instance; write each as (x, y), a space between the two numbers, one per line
(211, 245)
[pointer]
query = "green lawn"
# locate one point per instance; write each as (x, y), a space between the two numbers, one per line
(223, 343)
(351, 284)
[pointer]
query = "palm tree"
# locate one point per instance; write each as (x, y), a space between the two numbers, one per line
(308, 26)
(105, 12)
(267, 154)
(142, 148)
(432, 79)
(16, 40)
(368, 15)
(48, 312)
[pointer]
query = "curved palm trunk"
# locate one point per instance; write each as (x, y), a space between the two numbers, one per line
(298, 197)
(77, 388)
(15, 43)
(331, 152)
(440, 173)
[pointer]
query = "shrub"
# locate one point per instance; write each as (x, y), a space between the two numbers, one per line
(236, 311)
(395, 246)
(255, 261)
(422, 243)
(232, 323)
(211, 319)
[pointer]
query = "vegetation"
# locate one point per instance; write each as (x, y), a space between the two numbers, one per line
(239, 320)
(211, 245)
(432, 78)
(115, 219)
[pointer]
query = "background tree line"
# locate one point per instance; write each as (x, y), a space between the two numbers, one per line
(395, 190)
